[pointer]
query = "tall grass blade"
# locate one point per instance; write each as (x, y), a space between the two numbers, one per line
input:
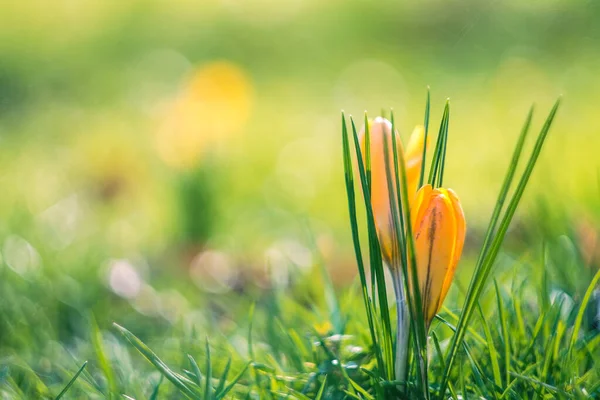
(376, 264)
(488, 255)
(504, 328)
(195, 370)
(208, 392)
(411, 275)
(71, 382)
(349, 179)
(233, 382)
(580, 314)
(426, 126)
(103, 361)
(434, 171)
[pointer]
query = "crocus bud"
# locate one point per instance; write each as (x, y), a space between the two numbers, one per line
(380, 130)
(439, 232)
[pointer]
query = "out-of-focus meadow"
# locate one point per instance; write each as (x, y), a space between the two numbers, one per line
(152, 152)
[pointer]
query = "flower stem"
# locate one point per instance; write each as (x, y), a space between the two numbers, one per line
(403, 326)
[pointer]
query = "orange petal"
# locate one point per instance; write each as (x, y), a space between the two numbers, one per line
(435, 241)
(414, 160)
(380, 131)
(459, 243)
(420, 204)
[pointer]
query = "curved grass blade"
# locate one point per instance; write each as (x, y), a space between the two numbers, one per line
(157, 362)
(195, 370)
(71, 382)
(491, 348)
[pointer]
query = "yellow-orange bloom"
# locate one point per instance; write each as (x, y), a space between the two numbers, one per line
(439, 232)
(380, 130)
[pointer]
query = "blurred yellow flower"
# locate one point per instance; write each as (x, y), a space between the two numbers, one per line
(323, 328)
(215, 104)
(439, 233)
(380, 130)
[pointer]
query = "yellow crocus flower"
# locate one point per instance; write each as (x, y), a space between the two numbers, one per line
(380, 130)
(439, 232)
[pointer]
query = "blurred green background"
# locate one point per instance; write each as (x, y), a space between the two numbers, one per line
(153, 150)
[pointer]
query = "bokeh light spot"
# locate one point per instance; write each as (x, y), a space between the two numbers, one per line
(214, 105)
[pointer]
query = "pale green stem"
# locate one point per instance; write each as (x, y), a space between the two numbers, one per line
(403, 325)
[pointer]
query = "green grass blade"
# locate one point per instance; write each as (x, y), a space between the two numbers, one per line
(581, 312)
(102, 358)
(223, 378)
(411, 274)
(508, 179)
(490, 347)
(386, 342)
(319, 395)
(426, 126)
(350, 192)
(438, 349)
(154, 395)
(488, 255)
(444, 145)
(195, 370)
(233, 382)
(504, 327)
(436, 161)
(208, 392)
(72, 381)
(157, 362)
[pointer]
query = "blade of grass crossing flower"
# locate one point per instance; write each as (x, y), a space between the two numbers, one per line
(72, 381)
(398, 253)
(483, 268)
(505, 336)
(426, 125)
(491, 347)
(349, 179)
(368, 173)
(376, 263)
(414, 298)
(157, 362)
